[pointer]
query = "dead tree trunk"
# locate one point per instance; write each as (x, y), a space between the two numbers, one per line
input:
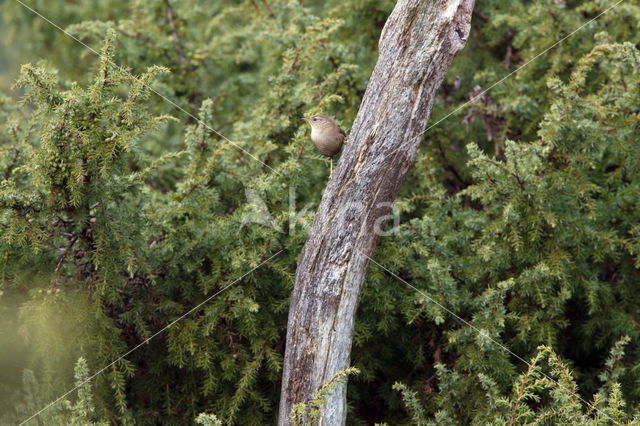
(417, 45)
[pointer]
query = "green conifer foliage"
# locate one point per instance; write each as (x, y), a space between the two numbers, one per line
(121, 211)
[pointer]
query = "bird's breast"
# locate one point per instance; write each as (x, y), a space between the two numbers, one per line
(328, 143)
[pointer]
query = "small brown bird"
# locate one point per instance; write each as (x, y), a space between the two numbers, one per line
(326, 135)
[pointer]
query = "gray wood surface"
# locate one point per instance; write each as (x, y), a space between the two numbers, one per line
(417, 45)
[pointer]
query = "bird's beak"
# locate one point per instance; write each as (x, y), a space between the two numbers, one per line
(306, 118)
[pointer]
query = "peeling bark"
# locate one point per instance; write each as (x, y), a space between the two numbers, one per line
(417, 45)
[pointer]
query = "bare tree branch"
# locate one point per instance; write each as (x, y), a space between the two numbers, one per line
(417, 45)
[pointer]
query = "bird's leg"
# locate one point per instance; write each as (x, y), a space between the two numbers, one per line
(330, 167)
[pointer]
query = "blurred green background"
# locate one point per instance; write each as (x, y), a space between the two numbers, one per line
(520, 214)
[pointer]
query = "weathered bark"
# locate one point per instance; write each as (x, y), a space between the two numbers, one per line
(417, 45)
